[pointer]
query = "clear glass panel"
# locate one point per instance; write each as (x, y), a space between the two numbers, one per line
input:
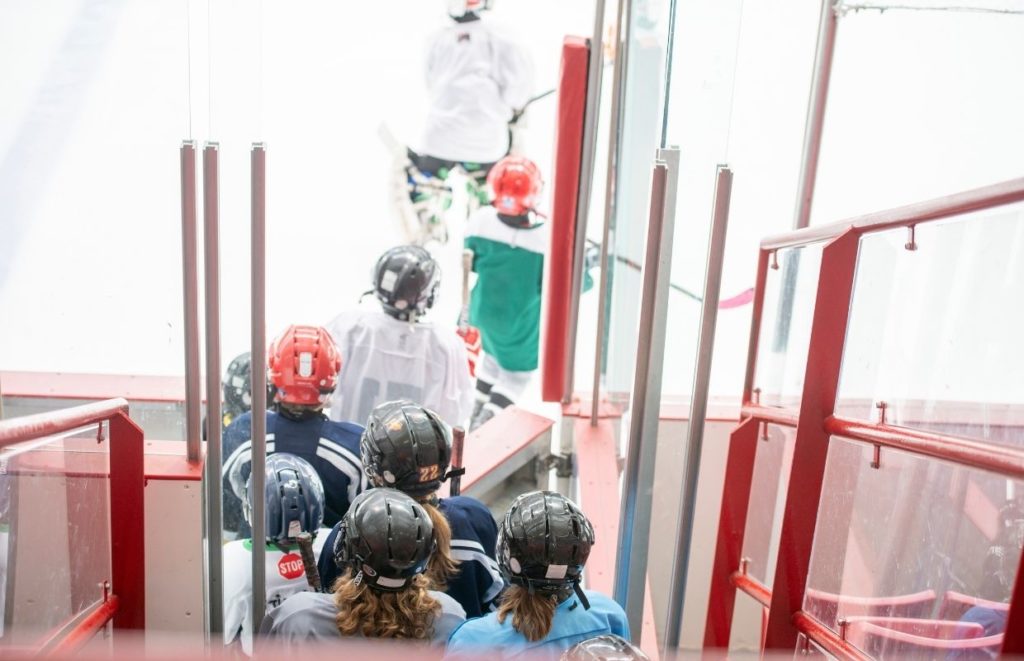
(767, 500)
(950, 75)
(748, 621)
(786, 325)
(739, 85)
(935, 332)
(641, 107)
(54, 532)
(911, 547)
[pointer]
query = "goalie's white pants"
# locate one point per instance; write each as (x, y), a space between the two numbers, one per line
(497, 387)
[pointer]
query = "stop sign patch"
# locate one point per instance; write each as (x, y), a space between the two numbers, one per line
(290, 566)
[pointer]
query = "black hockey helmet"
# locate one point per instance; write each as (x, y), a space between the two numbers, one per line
(407, 447)
(405, 281)
(294, 498)
(543, 543)
(608, 647)
(386, 538)
(237, 387)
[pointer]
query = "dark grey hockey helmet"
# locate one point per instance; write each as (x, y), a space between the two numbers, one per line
(406, 280)
(386, 538)
(294, 498)
(237, 388)
(407, 447)
(608, 647)
(543, 543)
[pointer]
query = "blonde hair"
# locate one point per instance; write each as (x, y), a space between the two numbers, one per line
(364, 611)
(532, 614)
(442, 566)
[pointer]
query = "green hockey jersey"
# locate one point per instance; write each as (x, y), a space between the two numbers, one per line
(505, 305)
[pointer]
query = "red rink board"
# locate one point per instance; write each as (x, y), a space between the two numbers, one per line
(572, 95)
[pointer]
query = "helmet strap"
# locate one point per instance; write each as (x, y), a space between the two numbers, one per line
(582, 596)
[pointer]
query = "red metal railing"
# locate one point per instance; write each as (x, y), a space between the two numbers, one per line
(127, 604)
(816, 423)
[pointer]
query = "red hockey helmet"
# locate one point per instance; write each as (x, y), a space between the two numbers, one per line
(516, 184)
(303, 364)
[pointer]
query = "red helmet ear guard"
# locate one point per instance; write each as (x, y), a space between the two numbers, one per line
(303, 364)
(516, 184)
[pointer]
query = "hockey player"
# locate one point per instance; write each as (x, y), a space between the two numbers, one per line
(294, 498)
(543, 544)
(478, 81)
(392, 353)
(384, 545)
(508, 246)
(408, 447)
(303, 364)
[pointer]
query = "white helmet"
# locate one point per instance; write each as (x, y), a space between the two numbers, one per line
(459, 8)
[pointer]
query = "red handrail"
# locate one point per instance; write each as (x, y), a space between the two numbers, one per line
(1006, 192)
(1006, 460)
(31, 427)
(83, 631)
(826, 639)
(774, 415)
(753, 588)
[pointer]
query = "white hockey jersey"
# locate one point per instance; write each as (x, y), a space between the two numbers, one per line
(285, 577)
(384, 359)
(476, 78)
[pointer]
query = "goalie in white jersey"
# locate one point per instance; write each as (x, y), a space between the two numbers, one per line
(294, 498)
(392, 353)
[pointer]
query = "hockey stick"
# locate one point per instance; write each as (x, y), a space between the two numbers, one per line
(456, 470)
(467, 266)
(744, 297)
(305, 541)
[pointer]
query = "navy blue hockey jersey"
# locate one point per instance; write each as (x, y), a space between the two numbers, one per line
(331, 447)
(474, 538)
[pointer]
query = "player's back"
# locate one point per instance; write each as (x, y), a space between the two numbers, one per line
(385, 359)
(474, 539)
(331, 447)
(284, 573)
(476, 79)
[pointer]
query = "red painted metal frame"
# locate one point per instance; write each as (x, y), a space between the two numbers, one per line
(753, 587)
(986, 197)
(572, 97)
(777, 416)
(127, 482)
(810, 450)
(1006, 460)
(83, 632)
(815, 423)
(825, 638)
(732, 521)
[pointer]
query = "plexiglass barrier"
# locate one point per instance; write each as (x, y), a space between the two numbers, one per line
(881, 558)
(771, 474)
(790, 286)
(55, 533)
(903, 533)
(934, 331)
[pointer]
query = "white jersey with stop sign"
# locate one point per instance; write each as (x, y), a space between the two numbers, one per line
(284, 575)
(384, 359)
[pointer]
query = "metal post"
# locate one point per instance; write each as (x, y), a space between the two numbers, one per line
(190, 291)
(815, 122)
(214, 487)
(638, 477)
(698, 406)
(595, 69)
(259, 380)
(614, 142)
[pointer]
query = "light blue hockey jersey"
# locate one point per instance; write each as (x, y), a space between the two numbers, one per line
(485, 637)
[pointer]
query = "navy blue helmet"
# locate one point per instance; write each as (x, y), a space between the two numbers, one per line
(294, 498)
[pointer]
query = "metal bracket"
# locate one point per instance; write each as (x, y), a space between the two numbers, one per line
(562, 463)
(775, 261)
(99, 433)
(911, 243)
